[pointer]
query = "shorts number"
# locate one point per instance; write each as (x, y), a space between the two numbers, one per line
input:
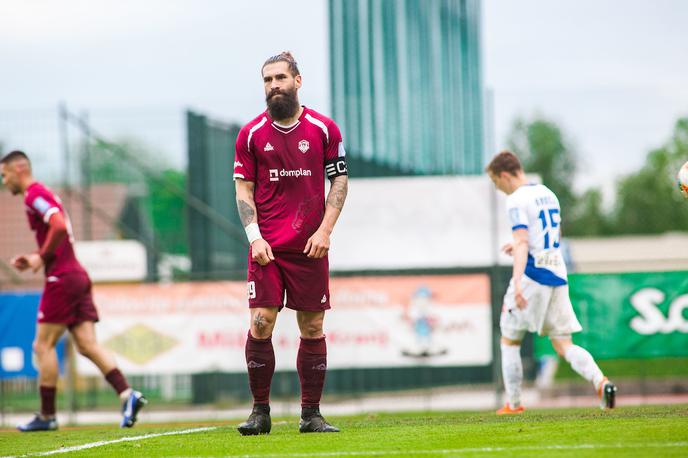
(251, 290)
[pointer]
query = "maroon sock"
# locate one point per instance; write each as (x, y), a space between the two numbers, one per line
(311, 364)
(260, 361)
(48, 400)
(117, 380)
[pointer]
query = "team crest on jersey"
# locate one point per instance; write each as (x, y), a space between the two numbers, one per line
(268, 147)
(303, 146)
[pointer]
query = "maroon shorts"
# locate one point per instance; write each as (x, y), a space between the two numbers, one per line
(67, 299)
(292, 280)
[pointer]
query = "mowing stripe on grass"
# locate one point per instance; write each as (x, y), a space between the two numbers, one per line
(470, 450)
(76, 448)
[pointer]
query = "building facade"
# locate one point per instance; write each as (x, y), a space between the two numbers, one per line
(406, 84)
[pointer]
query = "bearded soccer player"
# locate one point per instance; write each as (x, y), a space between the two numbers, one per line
(537, 299)
(66, 303)
(282, 158)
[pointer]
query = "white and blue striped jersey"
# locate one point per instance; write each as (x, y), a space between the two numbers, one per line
(535, 207)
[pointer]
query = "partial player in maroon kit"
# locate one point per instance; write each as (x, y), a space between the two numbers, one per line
(282, 158)
(66, 303)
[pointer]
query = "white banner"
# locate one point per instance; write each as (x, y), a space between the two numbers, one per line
(374, 322)
(113, 260)
(421, 222)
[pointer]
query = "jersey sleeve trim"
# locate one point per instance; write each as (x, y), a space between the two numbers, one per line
(519, 226)
(51, 211)
(253, 129)
(320, 124)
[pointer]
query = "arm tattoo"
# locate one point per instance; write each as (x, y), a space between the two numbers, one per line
(246, 213)
(337, 194)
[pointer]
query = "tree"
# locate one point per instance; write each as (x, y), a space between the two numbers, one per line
(131, 162)
(168, 211)
(541, 146)
(102, 162)
(648, 201)
(588, 217)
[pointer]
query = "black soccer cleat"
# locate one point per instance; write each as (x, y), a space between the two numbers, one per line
(607, 395)
(258, 422)
(313, 422)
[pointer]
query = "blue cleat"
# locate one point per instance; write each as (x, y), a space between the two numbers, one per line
(38, 424)
(131, 407)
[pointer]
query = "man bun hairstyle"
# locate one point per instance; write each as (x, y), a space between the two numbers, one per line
(284, 56)
(506, 161)
(14, 156)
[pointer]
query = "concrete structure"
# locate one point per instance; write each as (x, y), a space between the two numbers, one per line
(633, 253)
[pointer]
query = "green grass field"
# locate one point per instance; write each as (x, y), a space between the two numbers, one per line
(629, 431)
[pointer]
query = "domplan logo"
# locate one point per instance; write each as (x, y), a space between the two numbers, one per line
(275, 174)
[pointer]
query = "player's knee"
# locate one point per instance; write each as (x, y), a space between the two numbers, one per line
(262, 326)
(41, 347)
(312, 329)
(560, 345)
(86, 349)
(261, 332)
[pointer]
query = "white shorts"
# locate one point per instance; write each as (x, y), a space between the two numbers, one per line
(549, 311)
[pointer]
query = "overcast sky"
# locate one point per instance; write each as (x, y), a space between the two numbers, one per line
(612, 73)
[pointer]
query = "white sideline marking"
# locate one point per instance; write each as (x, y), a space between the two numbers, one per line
(76, 448)
(470, 450)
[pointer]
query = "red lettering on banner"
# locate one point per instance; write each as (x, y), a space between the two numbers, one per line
(346, 338)
(221, 339)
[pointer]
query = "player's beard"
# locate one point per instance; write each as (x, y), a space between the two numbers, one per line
(15, 189)
(284, 106)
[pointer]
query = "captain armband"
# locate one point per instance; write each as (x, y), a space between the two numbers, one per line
(335, 167)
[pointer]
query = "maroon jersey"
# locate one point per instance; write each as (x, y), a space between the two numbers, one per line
(287, 165)
(41, 204)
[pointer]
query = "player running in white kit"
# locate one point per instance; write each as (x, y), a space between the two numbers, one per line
(537, 299)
